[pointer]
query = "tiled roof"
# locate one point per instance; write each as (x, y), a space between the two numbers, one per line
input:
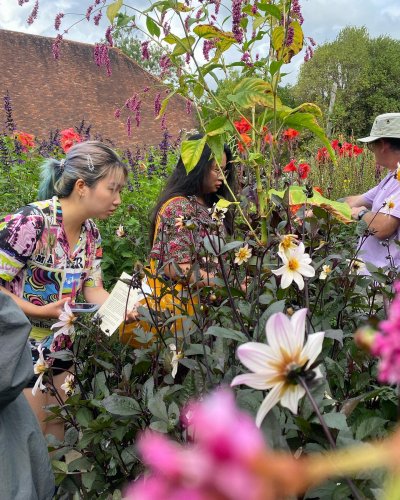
(49, 94)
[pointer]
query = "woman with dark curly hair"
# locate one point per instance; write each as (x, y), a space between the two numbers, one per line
(191, 197)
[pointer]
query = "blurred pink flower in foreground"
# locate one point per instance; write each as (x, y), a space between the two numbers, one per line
(386, 343)
(216, 466)
(228, 460)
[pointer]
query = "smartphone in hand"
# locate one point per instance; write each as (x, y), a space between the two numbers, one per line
(83, 307)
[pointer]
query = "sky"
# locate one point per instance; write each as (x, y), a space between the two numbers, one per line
(323, 20)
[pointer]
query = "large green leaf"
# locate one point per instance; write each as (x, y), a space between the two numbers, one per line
(182, 45)
(299, 121)
(191, 152)
(84, 416)
(210, 32)
(371, 427)
(164, 104)
(221, 46)
(216, 143)
(218, 125)
(88, 479)
(198, 90)
(158, 408)
(278, 39)
(334, 420)
(226, 333)
(258, 22)
(180, 7)
(251, 91)
(297, 196)
(271, 9)
(307, 107)
(113, 9)
(298, 39)
(152, 27)
(275, 66)
(121, 405)
(223, 39)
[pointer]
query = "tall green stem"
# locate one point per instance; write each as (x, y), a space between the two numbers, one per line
(327, 433)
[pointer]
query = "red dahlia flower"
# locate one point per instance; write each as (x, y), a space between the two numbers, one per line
(322, 155)
(289, 134)
(303, 170)
(290, 167)
(26, 140)
(242, 126)
(246, 140)
(68, 138)
(336, 145)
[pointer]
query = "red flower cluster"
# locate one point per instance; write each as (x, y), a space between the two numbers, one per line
(289, 134)
(242, 126)
(345, 150)
(26, 140)
(245, 141)
(303, 169)
(68, 138)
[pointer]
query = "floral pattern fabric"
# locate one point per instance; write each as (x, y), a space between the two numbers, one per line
(174, 240)
(36, 262)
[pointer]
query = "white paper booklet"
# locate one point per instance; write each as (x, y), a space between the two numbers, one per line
(112, 312)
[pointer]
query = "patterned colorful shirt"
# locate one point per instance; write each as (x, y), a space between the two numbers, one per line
(175, 241)
(36, 262)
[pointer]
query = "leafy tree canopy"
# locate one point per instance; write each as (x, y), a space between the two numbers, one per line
(132, 47)
(352, 79)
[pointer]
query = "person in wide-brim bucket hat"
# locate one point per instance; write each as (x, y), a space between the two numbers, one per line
(385, 126)
(379, 207)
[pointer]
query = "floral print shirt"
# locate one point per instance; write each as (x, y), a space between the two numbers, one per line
(36, 262)
(174, 240)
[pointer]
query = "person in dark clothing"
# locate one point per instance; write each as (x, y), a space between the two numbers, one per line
(25, 470)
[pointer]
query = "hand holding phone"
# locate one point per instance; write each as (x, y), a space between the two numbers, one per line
(83, 307)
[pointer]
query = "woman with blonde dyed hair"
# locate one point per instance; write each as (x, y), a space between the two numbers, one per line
(50, 250)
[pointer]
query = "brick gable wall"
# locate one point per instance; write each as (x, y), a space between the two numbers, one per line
(49, 94)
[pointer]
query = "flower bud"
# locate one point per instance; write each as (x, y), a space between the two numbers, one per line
(364, 337)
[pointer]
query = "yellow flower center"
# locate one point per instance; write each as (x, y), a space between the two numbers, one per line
(40, 368)
(287, 242)
(293, 264)
(285, 365)
(390, 204)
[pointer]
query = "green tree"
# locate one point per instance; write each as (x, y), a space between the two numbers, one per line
(132, 47)
(352, 79)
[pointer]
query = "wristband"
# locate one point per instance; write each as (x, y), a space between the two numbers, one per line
(361, 214)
